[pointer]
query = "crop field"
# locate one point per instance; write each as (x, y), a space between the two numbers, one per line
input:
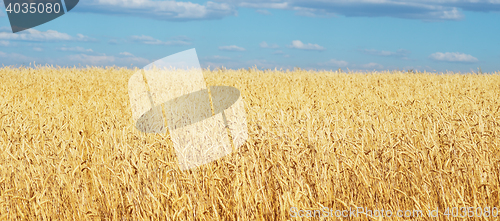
(319, 142)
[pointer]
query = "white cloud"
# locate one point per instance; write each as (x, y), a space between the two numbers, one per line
(453, 57)
(5, 43)
(113, 41)
(92, 59)
(231, 48)
(335, 62)
(299, 45)
(75, 49)
(427, 10)
(126, 53)
(372, 65)
(265, 45)
(80, 37)
(14, 57)
(237, 64)
(380, 53)
(135, 60)
(153, 41)
(145, 39)
(37, 49)
(401, 53)
(398, 53)
(263, 12)
(344, 64)
(312, 12)
(102, 60)
(35, 35)
(181, 38)
(280, 52)
(264, 4)
(161, 10)
(216, 58)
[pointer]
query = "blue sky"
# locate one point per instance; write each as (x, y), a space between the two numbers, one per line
(453, 35)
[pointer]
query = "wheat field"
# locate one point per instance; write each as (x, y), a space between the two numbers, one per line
(381, 140)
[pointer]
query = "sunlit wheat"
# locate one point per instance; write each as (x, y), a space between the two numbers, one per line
(391, 140)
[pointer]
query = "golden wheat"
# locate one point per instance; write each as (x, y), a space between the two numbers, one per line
(381, 140)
